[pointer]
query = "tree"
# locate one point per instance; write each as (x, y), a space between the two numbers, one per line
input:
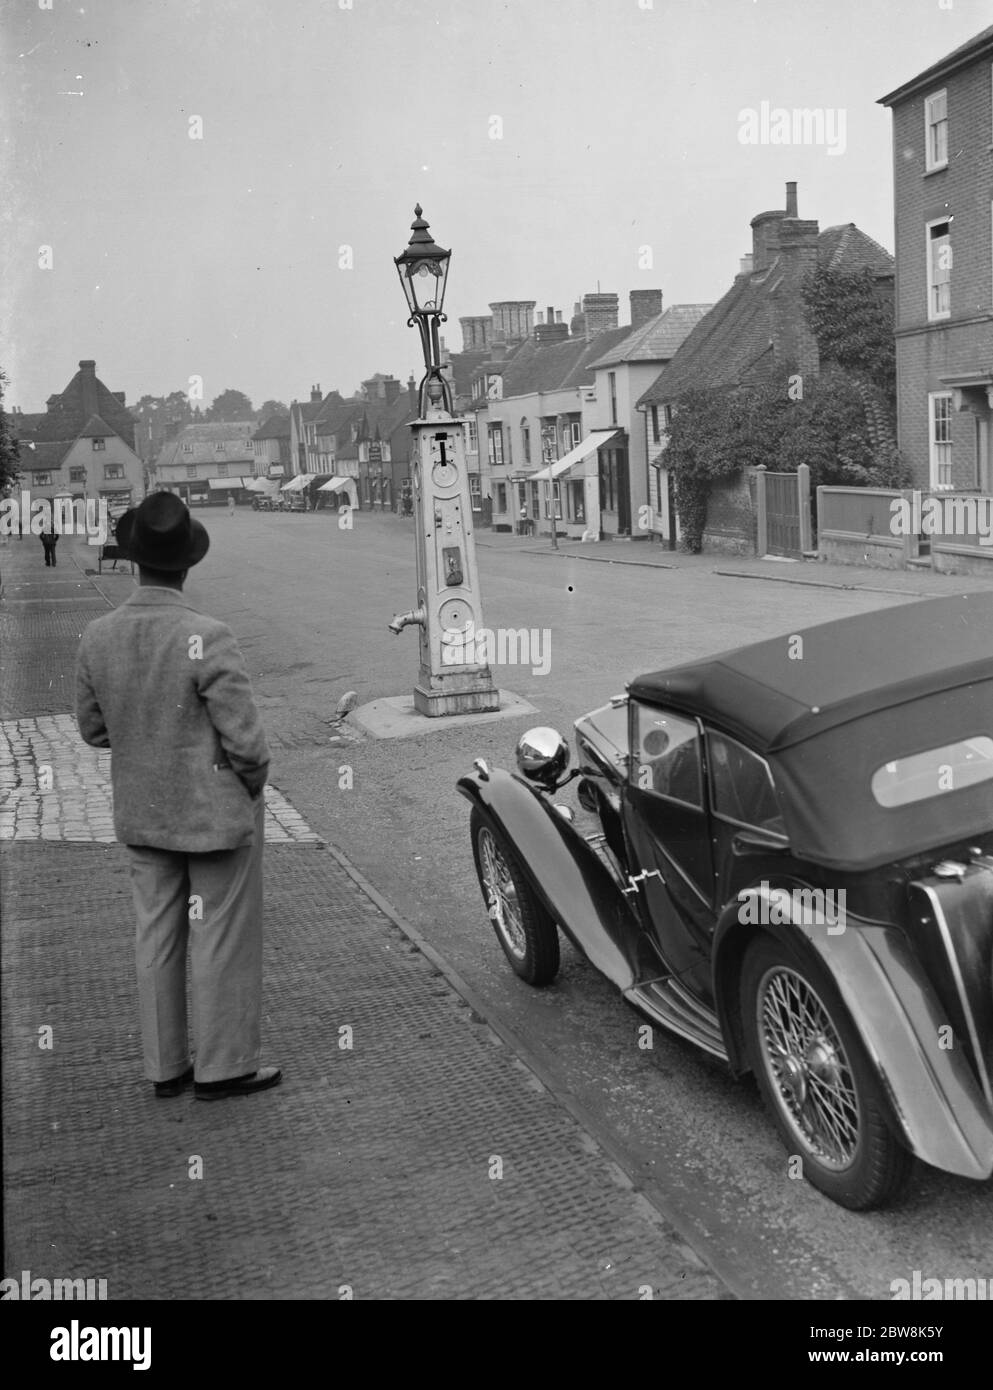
(716, 432)
(270, 408)
(230, 405)
(10, 449)
(160, 418)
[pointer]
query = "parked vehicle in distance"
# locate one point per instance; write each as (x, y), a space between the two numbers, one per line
(790, 864)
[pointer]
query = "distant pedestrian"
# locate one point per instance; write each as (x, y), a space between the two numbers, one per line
(165, 688)
(230, 504)
(50, 539)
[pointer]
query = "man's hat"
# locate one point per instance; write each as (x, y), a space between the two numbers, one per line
(161, 534)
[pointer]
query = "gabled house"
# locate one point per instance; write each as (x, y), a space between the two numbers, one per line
(207, 463)
(943, 187)
(626, 482)
(303, 431)
(362, 444)
(271, 447)
(756, 334)
(82, 446)
(537, 422)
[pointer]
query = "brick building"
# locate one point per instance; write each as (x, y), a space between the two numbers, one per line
(943, 193)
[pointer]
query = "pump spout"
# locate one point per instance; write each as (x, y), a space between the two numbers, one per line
(402, 620)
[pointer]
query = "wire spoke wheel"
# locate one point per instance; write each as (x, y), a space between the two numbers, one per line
(813, 1071)
(523, 927)
(500, 894)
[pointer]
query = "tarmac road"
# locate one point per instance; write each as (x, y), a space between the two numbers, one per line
(311, 603)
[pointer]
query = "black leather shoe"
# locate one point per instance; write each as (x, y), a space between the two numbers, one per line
(165, 1089)
(259, 1080)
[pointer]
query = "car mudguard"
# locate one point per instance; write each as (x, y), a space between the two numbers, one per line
(567, 876)
(933, 1091)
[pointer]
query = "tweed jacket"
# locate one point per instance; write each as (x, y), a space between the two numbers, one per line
(165, 688)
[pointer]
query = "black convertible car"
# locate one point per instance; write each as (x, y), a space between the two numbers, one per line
(791, 866)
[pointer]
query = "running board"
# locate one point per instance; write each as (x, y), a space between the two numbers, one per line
(674, 1008)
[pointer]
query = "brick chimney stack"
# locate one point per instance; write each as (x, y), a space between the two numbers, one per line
(600, 312)
(794, 240)
(553, 330)
(645, 305)
(764, 225)
(88, 376)
(315, 395)
(476, 331)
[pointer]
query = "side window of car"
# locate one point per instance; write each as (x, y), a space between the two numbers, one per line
(667, 755)
(741, 785)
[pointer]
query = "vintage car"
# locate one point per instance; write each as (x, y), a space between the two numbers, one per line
(791, 865)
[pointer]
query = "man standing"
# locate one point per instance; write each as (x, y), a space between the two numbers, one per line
(50, 539)
(165, 688)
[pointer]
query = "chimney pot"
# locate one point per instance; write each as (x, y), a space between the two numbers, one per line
(791, 200)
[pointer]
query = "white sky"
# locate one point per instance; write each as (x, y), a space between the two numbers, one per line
(324, 124)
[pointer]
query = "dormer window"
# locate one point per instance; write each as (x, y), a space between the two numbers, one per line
(220, 448)
(936, 131)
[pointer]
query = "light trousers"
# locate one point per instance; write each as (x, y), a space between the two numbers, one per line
(207, 906)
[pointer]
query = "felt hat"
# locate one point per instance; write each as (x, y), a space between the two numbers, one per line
(161, 534)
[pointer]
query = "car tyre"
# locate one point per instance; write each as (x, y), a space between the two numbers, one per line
(816, 1078)
(523, 927)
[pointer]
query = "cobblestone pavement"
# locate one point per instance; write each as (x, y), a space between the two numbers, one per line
(408, 1154)
(53, 786)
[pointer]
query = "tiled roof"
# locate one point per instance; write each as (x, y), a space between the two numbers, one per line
(464, 367)
(736, 341)
(44, 456)
(85, 396)
(204, 438)
(541, 367)
(95, 428)
(374, 418)
(846, 248)
(276, 427)
(25, 426)
(657, 340)
(218, 432)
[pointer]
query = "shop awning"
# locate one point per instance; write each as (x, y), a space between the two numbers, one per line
(220, 484)
(591, 443)
(298, 483)
(335, 484)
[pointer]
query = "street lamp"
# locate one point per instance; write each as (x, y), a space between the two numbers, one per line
(454, 676)
(423, 271)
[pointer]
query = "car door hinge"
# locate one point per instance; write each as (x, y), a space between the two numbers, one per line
(640, 878)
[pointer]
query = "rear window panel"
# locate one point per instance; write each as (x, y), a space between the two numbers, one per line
(923, 776)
